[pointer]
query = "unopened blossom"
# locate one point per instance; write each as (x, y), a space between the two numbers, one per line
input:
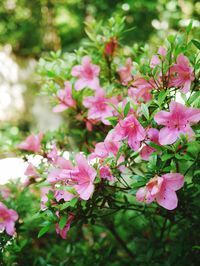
(84, 176)
(110, 47)
(130, 129)
(31, 143)
(176, 122)
(162, 51)
(87, 74)
(64, 98)
(63, 232)
(8, 217)
(125, 72)
(162, 189)
(98, 105)
(182, 74)
(153, 136)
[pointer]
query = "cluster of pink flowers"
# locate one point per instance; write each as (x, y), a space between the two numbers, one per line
(69, 181)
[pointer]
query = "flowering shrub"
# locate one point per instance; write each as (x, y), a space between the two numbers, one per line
(132, 142)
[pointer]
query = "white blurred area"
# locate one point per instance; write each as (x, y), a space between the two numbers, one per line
(12, 84)
(14, 168)
(15, 77)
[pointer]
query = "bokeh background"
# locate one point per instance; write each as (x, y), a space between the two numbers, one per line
(31, 29)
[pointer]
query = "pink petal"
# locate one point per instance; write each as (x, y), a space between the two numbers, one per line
(168, 136)
(10, 228)
(162, 117)
(174, 181)
(76, 71)
(167, 198)
(80, 84)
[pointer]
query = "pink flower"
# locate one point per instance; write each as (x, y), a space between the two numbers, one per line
(105, 173)
(125, 72)
(87, 74)
(31, 143)
(162, 189)
(106, 148)
(83, 175)
(183, 74)
(63, 232)
(146, 151)
(99, 108)
(177, 121)
(62, 173)
(64, 98)
(130, 129)
(31, 171)
(8, 217)
(140, 90)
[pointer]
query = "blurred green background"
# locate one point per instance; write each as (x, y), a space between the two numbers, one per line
(30, 29)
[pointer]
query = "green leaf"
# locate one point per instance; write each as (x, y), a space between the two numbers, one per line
(44, 230)
(63, 222)
(162, 96)
(196, 43)
(166, 157)
(155, 146)
(126, 109)
(189, 27)
(145, 111)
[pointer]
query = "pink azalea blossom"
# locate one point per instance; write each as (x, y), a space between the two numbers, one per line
(63, 232)
(125, 72)
(182, 74)
(153, 136)
(106, 148)
(8, 217)
(31, 171)
(83, 175)
(162, 190)
(106, 173)
(99, 108)
(176, 122)
(31, 143)
(130, 129)
(62, 172)
(140, 90)
(64, 98)
(87, 74)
